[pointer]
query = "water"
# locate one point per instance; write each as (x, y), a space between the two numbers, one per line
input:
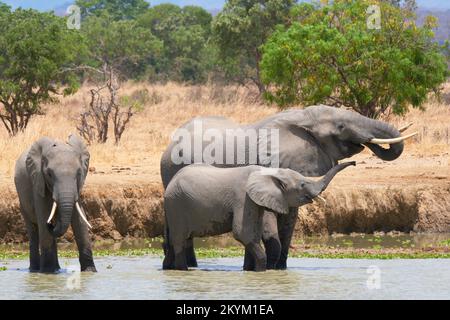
(142, 278)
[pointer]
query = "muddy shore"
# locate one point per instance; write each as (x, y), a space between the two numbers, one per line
(411, 194)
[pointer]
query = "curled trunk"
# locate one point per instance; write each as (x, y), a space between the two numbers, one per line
(382, 130)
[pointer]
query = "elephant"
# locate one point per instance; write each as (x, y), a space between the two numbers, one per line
(309, 141)
(202, 200)
(49, 178)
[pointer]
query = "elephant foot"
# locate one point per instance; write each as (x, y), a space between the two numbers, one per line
(260, 265)
(34, 269)
(249, 262)
(281, 265)
(49, 270)
(92, 269)
(273, 251)
(190, 258)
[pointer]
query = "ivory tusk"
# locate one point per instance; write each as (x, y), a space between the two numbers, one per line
(403, 129)
(83, 216)
(322, 199)
(393, 141)
(52, 214)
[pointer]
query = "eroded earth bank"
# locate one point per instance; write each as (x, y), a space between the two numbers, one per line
(410, 194)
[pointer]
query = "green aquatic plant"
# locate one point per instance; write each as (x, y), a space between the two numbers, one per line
(318, 252)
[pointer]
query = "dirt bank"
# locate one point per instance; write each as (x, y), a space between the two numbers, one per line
(412, 194)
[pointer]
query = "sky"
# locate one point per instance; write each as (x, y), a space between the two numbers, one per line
(207, 4)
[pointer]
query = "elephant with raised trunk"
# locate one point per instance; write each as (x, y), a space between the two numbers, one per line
(49, 178)
(203, 200)
(310, 141)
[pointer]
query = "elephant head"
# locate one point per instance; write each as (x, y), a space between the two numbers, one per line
(58, 171)
(284, 188)
(341, 133)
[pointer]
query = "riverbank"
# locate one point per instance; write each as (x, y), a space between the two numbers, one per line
(358, 246)
(408, 195)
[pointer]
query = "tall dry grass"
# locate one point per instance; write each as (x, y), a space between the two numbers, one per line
(171, 105)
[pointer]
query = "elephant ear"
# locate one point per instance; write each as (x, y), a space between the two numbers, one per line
(34, 163)
(78, 145)
(267, 190)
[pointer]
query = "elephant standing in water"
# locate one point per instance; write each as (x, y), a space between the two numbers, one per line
(203, 200)
(310, 141)
(49, 178)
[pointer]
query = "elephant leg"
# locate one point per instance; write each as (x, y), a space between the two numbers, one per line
(286, 228)
(271, 239)
(190, 254)
(81, 233)
(33, 235)
(169, 258)
(180, 258)
(48, 252)
(259, 256)
(249, 261)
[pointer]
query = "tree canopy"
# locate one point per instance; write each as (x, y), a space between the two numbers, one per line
(242, 27)
(328, 54)
(117, 9)
(35, 51)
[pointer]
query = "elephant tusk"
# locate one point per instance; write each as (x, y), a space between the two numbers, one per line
(322, 199)
(83, 216)
(52, 214)
(393, 141)
(403, 129)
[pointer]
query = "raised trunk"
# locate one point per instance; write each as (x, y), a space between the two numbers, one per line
(325, 181)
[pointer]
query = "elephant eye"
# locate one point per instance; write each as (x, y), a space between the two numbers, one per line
(302, 185)
(341, 127)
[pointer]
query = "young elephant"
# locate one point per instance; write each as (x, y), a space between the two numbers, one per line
(49, 178)
(202, 200)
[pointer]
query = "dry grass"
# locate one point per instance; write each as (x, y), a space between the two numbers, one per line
(170, 106)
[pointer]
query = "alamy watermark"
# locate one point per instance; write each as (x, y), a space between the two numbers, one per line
(73, 17)
(374, 280)
(232, 147)
(374, 17)
(74, 280)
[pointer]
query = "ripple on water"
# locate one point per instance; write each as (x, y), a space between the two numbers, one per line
(142, 278)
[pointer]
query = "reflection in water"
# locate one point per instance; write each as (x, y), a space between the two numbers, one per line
(142, 278)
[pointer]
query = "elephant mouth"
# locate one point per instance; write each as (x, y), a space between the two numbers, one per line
(51, 222)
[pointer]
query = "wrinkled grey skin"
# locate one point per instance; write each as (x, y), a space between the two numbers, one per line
(53, 171)
(203, 200)
(312, 141)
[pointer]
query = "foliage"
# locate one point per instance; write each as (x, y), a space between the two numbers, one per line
(329, 55)
(122, 45)
(118, 9)
(35, 50)
(241, 28)
(184, 32)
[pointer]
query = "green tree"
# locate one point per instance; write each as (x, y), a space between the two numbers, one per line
(240, 30)
(35, 51)
(117, 9)
(330, 55)
(120, 46)
(184, 32)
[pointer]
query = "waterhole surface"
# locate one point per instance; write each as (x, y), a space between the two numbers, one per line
(142, 278)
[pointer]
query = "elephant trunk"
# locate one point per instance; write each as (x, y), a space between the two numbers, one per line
(382, 130)
(325, 181)
(66, 203)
